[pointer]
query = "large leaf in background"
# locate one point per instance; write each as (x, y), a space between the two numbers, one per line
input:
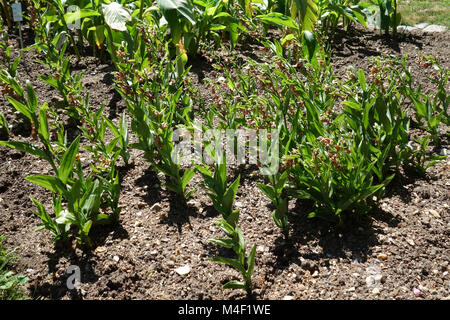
(307, 10)
(184, 7)
(278, 19)
(116, 16)
(309, 45)
(71, 17)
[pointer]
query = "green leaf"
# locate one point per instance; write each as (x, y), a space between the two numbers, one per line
(251, 261)
(65, 217)
(282, 181)
(309, 42)
(50, 80)
(231, 262)
(187, 176)
(190, 193)
(68, 160)
(181, 6)
(23, 109)
(70, 17)
(362, 79)
(225, 226)
(16, 64)
(233, 284)
(99, 35)
(87, 227)
(287, 38)
(49, 182)
(307, 10)
(43, 124)
(29, 148)
(31, 96)
(227, 243)
(278, 19)
(230, 194)
(268, 191)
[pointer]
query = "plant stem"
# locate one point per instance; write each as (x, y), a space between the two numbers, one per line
(111, 47)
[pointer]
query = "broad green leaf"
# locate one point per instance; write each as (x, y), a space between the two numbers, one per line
(227, 243)
(187, 176)
(181, 6)
(31, 96)
(65, 217)
(307, 10)
(362, 79)
(231, 262)
(87, 227)
(43, 124)
(49, 182)
(267, 190)
(230, 194)
(70, 17)
(29, 148)
(287, 38)
(282, 181)
(99, 35)
(67, 161)
(23, 109)
(309, 43)
(278, 19)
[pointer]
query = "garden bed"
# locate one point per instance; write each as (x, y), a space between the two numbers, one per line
(400, 251)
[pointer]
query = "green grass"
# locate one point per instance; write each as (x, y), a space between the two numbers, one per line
(431, 11)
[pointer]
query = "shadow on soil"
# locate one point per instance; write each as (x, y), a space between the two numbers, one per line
(355, 41)
(354, 241)
(58, 288)
(179, 213)
(85, 262)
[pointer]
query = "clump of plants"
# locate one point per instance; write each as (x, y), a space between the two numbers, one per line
(80, 199)
(222, 196)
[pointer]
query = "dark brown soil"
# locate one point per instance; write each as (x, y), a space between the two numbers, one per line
(404, 245)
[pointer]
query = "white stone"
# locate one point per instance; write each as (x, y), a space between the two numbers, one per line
(156, 207)
(183, 270)
(435, 28)
(422, 25)
(260, 249)
(406, 28)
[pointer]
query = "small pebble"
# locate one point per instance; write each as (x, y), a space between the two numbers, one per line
(382, 256)
(183, 270)
(156, 207)
(434, 213)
